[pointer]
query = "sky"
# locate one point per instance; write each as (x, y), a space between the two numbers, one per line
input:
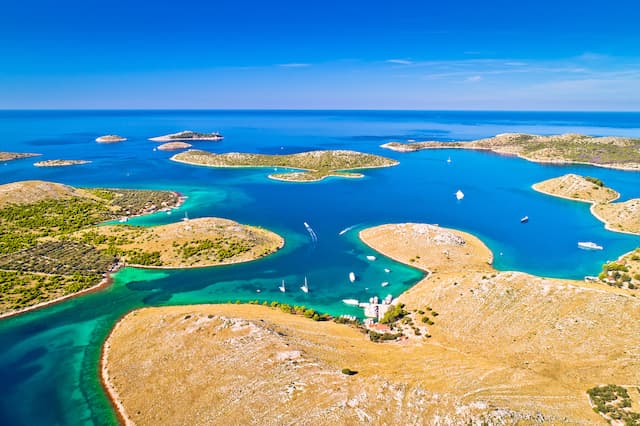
(414, 55)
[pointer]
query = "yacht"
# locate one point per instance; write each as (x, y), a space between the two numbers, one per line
(459, 195)
(352, 302)
(281, 287)
(305, 286)
(588, 245)
(387, 270)
(371, 258)
(352, 276)
(524, 219)
(384, 284)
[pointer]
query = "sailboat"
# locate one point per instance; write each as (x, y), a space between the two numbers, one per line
(305, 286)
(449, 160)
(282, 288)
(186, 217)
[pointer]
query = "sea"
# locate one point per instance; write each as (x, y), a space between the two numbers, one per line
(49, 359)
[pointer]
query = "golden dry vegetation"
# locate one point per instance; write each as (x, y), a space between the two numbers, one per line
(506, 348)
(578, 188)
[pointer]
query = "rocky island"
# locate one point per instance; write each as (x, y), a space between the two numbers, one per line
(60, 163)
(174, 146)
(502, 348)
(110, 139)
(619, 217)
(578, 188)
(8, 156)
(50, 247)
(188, 135)
(315, 165)
(613, 152)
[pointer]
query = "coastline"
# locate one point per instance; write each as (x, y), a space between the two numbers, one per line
(293, 170)
(593, 203)
(592, 210)
(104, 283)
(105, 381)
(607, 225)
(634, 168)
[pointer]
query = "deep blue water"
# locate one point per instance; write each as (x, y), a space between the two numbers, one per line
(48, 366)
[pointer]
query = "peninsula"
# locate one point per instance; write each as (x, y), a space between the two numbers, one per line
(173, 146)
(110, 139)
(8, 156)
(618, 217)
(50, 247)
(60, 163)
(188, 135)
(503, 348)
(611, 152)
(314, 165)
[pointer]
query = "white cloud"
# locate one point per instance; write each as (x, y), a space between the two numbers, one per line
(294, 65)
(473, 79)
(399, 61)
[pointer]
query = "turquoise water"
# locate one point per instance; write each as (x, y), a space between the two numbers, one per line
(48, 366)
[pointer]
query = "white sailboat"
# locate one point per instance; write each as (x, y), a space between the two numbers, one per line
(305, 286)
(282, 287)
(352, 276)
(449, 160)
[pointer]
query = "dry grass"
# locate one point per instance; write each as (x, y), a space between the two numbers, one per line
(620, 217)
(577, 188)
(32, 191)
(507, 348)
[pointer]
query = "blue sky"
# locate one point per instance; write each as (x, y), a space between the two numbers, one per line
(497, 55)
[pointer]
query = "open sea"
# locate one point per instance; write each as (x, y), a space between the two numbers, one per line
(49, 358)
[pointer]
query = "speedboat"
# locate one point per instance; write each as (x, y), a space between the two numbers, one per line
(384, 284)
(372, 258)
(524, 219)
(352, 276)
(459, 195)
(588, 245)
(352, 302)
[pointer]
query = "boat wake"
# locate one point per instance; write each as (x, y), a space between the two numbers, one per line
(312, 233)
(345, 230)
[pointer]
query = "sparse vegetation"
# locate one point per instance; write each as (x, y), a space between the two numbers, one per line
(316, 164)
(614, 403)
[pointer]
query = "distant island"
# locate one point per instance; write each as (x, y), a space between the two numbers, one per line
(60, 163)
(110, 139)
(8, 156)
(618, 217)
(50, 247)
(315, 165)
(173, 146)
(612, 152)
(506, 348)
(188, 135)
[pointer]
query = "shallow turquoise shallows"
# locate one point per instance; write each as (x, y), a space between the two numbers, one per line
(49, 358)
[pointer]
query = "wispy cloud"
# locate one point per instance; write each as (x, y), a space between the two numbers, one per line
(294, 65)
(399, 61)
(473, 79)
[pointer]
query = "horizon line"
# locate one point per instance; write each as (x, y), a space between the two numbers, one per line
(317, 110)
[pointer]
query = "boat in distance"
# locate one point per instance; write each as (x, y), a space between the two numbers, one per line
(352, 302)
(352, 276)
(588, 245)
(305, 286)
(524, 219)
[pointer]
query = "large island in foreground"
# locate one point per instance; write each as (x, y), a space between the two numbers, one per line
(612, 152)
(50, 247)
(316, 165)
(501, 348)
